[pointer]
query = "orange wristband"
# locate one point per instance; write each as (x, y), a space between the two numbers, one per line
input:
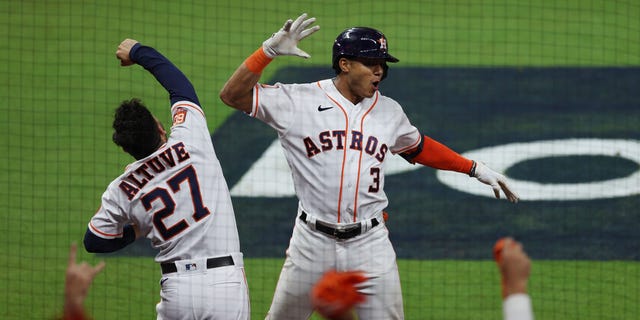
(257, 61)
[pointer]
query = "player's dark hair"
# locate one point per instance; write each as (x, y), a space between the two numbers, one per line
(135, 129)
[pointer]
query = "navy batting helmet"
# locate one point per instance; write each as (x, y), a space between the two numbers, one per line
(361, 42)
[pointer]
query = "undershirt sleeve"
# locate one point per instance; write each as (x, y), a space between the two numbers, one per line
(517, 307)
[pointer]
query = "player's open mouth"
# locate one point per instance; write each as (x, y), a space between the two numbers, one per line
(375, 84)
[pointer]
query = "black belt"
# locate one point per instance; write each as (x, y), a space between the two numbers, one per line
(170, 267)
(346, 233)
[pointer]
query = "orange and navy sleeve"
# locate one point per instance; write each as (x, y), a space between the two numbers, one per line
(95, 244)
(432, 153)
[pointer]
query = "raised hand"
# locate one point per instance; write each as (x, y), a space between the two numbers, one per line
(123, 52)
(285, 41)
(77, 282)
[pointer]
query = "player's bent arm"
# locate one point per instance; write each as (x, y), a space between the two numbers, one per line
(237, 92)
(95, 244)
(167, 74)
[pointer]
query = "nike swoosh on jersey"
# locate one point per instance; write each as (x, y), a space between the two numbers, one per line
(321, 108)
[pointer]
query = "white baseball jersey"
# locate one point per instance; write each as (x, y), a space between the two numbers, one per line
(335, 149)
(177, 196)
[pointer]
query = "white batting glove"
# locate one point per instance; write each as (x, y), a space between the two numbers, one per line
(285, 41)
(497, 181)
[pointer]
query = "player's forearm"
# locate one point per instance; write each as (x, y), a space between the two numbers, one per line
(167, 74)
(515, 286)
(74, 306)
(95, 244)
(238, 90)
(436, 155)
(73, 311)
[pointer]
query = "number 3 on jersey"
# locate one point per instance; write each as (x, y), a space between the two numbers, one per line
(199, 210)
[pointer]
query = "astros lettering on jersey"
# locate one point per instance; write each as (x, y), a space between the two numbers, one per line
(340, 164)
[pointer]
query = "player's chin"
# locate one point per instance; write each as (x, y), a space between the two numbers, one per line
(371, 91)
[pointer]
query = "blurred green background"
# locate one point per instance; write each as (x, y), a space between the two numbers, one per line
(61, 82)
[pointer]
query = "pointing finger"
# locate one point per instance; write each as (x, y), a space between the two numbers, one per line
(72, 254)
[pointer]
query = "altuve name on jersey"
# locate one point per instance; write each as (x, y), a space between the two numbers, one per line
(138, 178)
(328, 140)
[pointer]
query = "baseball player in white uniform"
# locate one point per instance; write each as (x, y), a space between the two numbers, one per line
(175, 195)
(336, 135)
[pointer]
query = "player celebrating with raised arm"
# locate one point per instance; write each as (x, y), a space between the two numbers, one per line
(175, 195)
(336, 134)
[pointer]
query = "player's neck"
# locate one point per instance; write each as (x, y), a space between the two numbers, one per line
(344, 89)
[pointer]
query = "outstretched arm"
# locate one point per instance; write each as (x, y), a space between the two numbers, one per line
(170, 77)
(237, 91)
(434, 154)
